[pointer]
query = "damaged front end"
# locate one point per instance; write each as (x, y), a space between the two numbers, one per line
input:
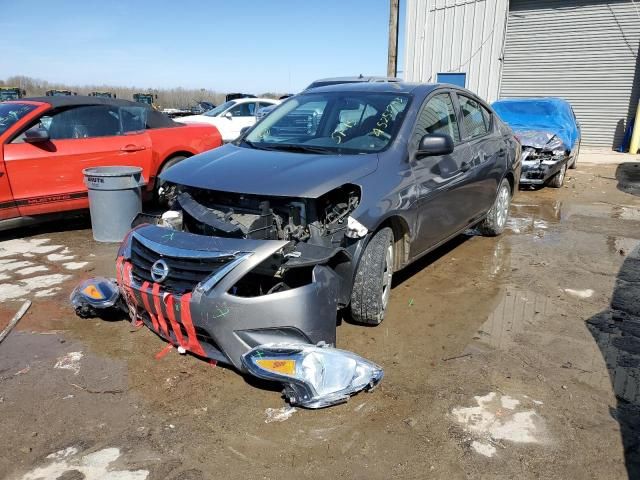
(223, 274)
(219, 297)
(543, 156)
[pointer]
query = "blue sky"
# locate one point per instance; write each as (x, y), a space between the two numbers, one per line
(232, 45)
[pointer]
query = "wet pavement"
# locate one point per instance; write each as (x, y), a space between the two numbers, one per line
(508, 357)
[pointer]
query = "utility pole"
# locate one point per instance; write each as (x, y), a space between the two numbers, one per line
(392, 62)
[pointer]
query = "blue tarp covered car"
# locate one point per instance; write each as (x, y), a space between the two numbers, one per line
(550, 137)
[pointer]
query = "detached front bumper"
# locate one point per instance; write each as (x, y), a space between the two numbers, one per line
(193, 305)
(539, 171)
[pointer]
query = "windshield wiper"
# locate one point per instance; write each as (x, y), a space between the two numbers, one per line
(256, 146)
(289, 147)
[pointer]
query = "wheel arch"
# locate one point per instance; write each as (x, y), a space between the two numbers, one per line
(512, 182)
(171, 156)
(167, 159)
(401, 239)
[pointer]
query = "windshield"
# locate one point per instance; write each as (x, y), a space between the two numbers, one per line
(219, 109)
(9, 95)
(337, 122)
(10, 113)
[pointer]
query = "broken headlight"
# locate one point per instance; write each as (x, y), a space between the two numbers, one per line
(95, 294)
(313, 376)
(355, 229)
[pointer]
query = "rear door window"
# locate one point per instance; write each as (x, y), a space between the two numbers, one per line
(473, 117)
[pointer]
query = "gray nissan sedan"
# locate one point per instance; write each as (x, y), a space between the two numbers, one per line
(313, 210)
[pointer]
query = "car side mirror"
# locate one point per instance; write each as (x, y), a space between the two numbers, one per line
(36, 135)
(434, 144)
(228, 115)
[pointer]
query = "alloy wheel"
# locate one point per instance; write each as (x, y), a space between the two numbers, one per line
(502, 206)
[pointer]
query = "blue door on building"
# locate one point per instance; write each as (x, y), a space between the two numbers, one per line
(459, 79)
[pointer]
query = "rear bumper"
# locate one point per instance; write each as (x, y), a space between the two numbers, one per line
(211, 322)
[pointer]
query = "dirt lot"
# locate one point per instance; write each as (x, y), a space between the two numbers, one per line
(510, 357)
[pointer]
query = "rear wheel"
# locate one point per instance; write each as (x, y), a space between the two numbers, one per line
(496, 219)
(165, 193)
(558, 179)
(372, 285)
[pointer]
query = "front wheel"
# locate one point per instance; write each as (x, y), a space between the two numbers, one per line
(558, 179)
(372, 285)
(574, 164)
(495, 221)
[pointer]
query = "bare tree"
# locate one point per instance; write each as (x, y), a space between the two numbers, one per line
(167, 97)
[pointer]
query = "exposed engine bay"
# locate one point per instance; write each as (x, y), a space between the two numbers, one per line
(234, 215)
(317, 229)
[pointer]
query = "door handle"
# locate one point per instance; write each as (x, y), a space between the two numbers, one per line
(132, 148)
(465, 167)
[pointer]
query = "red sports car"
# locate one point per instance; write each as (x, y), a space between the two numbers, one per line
(45, 143)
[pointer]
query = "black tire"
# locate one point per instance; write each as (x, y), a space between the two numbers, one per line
(372, 285)
(558, 179)
(496, 220)
(164, 196)
(574, 164)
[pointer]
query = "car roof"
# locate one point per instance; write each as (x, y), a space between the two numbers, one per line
(360, 78)
(377, 87)
(253, 99)
(155, 119)
(77, 100)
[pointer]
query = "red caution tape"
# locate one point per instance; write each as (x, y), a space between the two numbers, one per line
(145, 301)
(163, 353)
(156, 303)
(191, 343)
(126, 281)
(171, 312)
(119, 270)
(185, 309)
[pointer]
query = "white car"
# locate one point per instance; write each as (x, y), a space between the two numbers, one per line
(232, 116)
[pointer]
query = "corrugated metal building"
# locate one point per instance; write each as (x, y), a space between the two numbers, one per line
(585, 51)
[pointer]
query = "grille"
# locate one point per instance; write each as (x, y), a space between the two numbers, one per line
(184, 273)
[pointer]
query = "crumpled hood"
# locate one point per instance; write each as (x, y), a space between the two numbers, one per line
(547, 114)
(540, 139)
(275, 173)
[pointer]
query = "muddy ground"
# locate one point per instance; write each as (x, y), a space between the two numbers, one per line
(509, 357)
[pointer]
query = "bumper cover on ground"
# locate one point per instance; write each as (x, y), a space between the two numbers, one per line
(208, 320)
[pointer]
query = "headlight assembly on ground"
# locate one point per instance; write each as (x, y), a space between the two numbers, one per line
(313, 376)
(95, 294)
